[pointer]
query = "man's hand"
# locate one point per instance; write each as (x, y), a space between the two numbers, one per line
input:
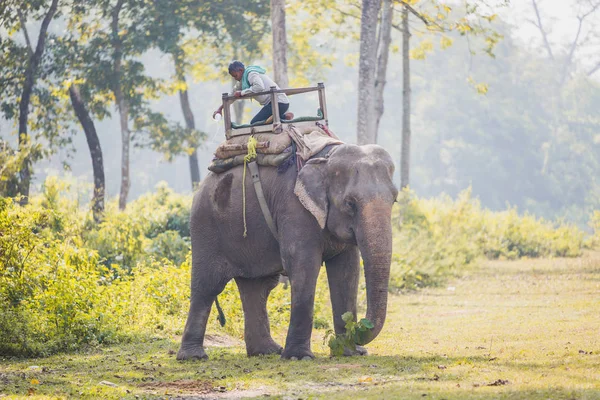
(237, 94)
(216, 112)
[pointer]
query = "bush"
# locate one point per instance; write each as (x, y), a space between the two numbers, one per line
(49, 288)
(441, 236)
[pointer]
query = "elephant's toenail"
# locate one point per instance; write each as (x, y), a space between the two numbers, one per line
(306, 358)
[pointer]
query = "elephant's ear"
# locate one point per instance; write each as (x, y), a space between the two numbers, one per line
(311, 189)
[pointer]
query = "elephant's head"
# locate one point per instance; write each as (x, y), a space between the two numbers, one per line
(351, 193)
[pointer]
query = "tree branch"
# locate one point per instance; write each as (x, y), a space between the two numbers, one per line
(569, 59)
(415, 12)
(571, 52)
(593, 70)
(541, 28)
(24, 29)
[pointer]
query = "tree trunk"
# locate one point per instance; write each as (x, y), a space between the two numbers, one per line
(95, 151)
(122, 105)
(385, 38)
(279, 43)
(125, 141)
(405, 152)
(365, 127)
(30, 78)
(191, 125)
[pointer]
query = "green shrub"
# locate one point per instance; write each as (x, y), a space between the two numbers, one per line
(437, 237)
(154, 225)
(48, 288)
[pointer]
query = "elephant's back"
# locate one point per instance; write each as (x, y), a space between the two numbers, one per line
(222, 212)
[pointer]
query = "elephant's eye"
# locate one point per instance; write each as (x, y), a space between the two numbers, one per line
(350, 206)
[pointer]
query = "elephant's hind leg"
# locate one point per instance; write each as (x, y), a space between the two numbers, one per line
(257, 330)
(205, 289)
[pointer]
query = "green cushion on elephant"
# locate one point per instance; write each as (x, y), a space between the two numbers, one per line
(287, 121)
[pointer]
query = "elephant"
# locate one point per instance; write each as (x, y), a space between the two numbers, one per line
(335, 209)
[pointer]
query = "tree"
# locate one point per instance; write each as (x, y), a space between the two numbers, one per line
(383, 51)
(95, 150)
(121, 101)
(197, 35)
(30, 95)
(23, 10)
(405, 148)
(170, 25)
(365, 125)
(112, 37)
(279, 43)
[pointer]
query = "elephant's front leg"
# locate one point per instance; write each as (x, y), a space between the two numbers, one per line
(303, 266)
(342, 274)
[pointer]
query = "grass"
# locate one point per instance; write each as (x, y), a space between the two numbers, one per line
(527, 329)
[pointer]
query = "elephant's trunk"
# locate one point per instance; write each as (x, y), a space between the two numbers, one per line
(374, 237)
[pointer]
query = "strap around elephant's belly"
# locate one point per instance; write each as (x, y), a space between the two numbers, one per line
(253, 166)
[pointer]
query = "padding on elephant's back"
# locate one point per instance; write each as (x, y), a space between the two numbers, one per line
(273, 160)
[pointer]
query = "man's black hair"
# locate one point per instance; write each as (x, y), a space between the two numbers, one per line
(236, 66)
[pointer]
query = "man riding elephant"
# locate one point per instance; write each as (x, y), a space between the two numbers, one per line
(253, 79)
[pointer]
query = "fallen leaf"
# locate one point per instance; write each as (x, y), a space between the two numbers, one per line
(365, 379)
(35, 382)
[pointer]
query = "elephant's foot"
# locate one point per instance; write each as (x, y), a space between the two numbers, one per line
(297, 353)
(191, 353)
(359, 351)
(270, 347)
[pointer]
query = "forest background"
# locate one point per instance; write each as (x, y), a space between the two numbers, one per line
(520, 128)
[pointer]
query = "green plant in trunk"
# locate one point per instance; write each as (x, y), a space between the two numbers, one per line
(355, 333)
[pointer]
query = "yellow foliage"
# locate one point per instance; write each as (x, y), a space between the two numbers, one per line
(482, 88)
(445, 42)
(463, 27)
(351, 59)
(420, 51)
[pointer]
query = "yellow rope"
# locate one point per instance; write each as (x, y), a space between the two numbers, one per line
(249, 157)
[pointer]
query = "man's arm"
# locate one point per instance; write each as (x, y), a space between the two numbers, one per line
(236, 88)
(256, 84)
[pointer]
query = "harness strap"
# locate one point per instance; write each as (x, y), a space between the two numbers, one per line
(253, 166)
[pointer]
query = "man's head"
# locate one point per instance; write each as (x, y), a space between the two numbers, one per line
(236, 69)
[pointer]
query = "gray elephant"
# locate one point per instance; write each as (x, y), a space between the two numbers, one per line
(339, 203)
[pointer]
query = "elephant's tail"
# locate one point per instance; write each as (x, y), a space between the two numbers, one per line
(221, 316)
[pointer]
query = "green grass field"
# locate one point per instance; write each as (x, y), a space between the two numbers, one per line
(527, 329)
